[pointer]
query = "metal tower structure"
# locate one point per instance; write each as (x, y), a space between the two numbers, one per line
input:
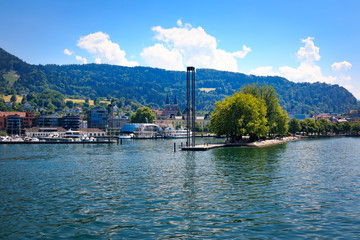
(190, 73)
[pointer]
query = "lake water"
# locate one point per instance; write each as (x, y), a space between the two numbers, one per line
(143, 189)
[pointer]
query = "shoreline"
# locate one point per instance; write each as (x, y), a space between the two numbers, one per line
(257, 144)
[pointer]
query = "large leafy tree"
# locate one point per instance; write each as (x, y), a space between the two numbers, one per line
(238, 115)
(294, 126)
(276, 116)
(323, 126)
(355, 127)
(309, 126)
(143, 115)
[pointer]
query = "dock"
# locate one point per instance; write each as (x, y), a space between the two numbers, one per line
(203, 147)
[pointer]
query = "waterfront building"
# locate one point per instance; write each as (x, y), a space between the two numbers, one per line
(13, 122)
(115, 124)
(174, 121)
(93, 132)
(70, 122)
(45, 132)
(98, 118)
(47, 121)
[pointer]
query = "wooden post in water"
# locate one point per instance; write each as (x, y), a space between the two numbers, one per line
(174, 147)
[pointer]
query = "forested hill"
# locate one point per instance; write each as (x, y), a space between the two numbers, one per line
(150, 86)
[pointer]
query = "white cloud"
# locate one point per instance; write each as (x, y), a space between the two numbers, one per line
(309, 53)
(188, 46)
(179, 23)
(341, 66)
(104, 50)
(264, 71)
(81, 59)
(159, 55)
(67, 52)
(308, 71)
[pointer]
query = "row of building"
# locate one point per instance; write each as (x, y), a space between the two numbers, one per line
(98, 118)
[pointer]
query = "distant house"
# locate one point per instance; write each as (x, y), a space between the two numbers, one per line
(27, 106)
(9, 104)
(115, 109)
(326, 116)
(77, 110)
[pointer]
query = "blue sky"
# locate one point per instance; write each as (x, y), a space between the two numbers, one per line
(300, 40)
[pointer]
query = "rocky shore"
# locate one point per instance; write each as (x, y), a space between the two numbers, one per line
(271, 142)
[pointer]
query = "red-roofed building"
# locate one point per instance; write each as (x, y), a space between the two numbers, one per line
(12, 122)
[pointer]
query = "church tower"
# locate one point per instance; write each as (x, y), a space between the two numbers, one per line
(167, 104)
(175, 106)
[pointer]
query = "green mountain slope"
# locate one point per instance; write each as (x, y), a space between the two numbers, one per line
(151, 85)
(18, 74)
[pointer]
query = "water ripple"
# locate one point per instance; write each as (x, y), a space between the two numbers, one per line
(142, 189)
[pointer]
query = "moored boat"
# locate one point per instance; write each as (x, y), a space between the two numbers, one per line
(175, 133)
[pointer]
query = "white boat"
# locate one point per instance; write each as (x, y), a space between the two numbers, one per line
(31, 139)
(5, 139)
(125, 136)
(140, 131)
(175, 133)
(73, 134)
(147, 130)
(16, 138)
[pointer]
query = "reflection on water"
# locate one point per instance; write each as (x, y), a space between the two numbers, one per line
(142, 189)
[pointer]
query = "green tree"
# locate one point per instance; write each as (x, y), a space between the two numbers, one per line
(304, 126)
(312, 127)
(238, 115)
(69, 104)
(3, 106)
(346, 127)
(276, 116)
(294, 126)
(336, 128)
(309, 126)
(13, 98)
(198, 127)
(96, 101)
(355, 127)
(323, 126)
(178, 112)
(143, 115)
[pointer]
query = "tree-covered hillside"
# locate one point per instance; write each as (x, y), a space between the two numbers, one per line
(150, 86)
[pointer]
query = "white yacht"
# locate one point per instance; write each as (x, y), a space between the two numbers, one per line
(175, 133)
